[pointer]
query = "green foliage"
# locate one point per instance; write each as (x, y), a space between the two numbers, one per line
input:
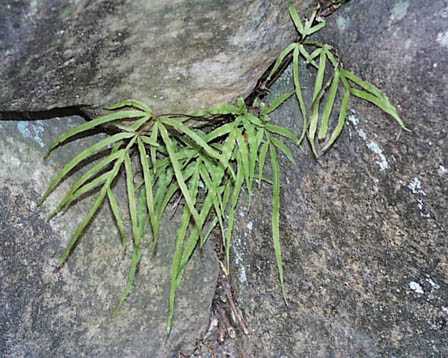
(330, 79)
(207, 158)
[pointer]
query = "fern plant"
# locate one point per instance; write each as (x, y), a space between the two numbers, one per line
(208, 158)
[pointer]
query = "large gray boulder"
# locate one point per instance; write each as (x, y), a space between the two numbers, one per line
(71, 313)
(175, 55)
(364, 230)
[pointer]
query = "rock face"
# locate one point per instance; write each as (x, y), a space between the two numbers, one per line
(364, 230)
(70, 313)
(175, 55)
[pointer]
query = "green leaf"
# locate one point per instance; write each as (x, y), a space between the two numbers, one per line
(261, 160)
(88, 175)
(283, 147)
(277, 102)
(280, 59)
(276, 217)
(244, 152)
(363, 84)
(314, 119)
(307, 56)
(316, 28)
(91, 185)
(142, 213)
(283, 131)
(149, 141)
(92, 150)
(93, 124)
(254, 145)
(228, 147)
(90, 214)
(179, 176)
(139, 123)
(118, 215)
(328, 108)
(212, 188)
(192, 135)
(133, 103)
(231, 214)
(153, 149)
(132, 201)
(220, 131)
(296, 20)
(345, 104)
(382, 103)
(320, 75)
(298, 91)
(148, 181)
(176, 266)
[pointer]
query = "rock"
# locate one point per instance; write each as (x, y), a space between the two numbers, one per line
(174, 55)
(363, 230)
(70, 313)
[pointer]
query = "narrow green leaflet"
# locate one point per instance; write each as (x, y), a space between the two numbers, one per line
(139, 123)
(254, 145)
(345, 104)
(363, 84)
(296, 20)
(88, 175)
(91, 213)
(177, 258)
(316, 28)
(328, 108)
(382, 103)
(318, 83)
(280, 59)
(93, 124)
(92, 150)
(192, 135)
(277, 102)
(153, 150)
(148, 181)
(214, 191)
(228, 147)
(92, 185)
(244, 153)
(307, 56)
(132, 201)
(262, 160)
(231, 214)
(118, 215)
(284, 148)
(83, 225)
(298, 91)
(276, 217)
(220, 131)
(252, 141)
(314, 120)
(179, 176)
(148, 140)
(282, 131)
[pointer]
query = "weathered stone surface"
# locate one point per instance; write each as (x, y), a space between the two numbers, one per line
(175, 55)
(364, 230)
(69, 314)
